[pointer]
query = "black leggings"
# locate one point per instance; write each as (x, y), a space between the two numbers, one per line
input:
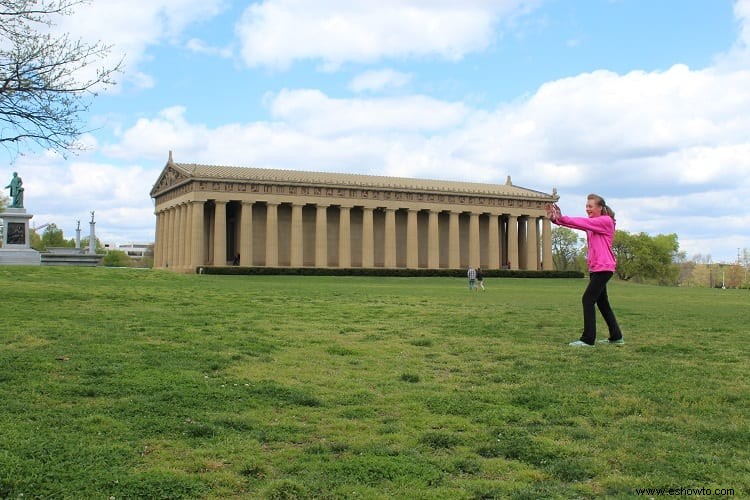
(596, 294)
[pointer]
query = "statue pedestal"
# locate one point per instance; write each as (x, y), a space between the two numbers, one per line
(16, 248)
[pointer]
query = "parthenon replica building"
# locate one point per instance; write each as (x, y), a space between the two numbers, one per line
(217, 216)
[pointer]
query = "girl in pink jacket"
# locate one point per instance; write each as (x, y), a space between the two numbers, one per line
(600, 232)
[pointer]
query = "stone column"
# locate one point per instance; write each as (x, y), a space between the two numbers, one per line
(296, 239)
(169, 242)
(321, 237)
(173, 220)
(182, 237)
(160, 239)
(246, 234)
(474, 253)
(92, 235)
(176, 225)
(513, 241)
(523, 240)
(494, 243)
(199, 235)
(187, 240)
(78, 234)
(345, 237)
(412, 240)
(272, 234)
(548, 263)
(174, 230)
(433, 241)
(532, 244)
(454, 243)
(368, 239)
(220, 233)
(390, 238)
(156, 240)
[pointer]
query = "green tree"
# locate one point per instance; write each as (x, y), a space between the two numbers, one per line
(566, 249)
(35, 240)
(641, 257)
(42, 92)
(624, 247)
(53, 237)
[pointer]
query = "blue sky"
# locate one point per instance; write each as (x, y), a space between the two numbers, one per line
(643, 102)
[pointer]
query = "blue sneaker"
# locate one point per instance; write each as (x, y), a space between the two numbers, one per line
(580, 343)
(618, 342)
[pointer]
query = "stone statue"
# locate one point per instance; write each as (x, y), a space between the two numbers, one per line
(16, 191)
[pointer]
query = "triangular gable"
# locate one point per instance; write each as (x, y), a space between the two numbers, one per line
(169, 177)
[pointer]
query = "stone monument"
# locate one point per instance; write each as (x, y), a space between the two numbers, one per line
(16, 243)
(66, 256)
(92, 236)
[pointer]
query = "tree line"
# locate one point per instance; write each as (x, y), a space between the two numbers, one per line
(643, 258)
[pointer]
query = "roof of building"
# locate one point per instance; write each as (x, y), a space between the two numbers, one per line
(329, 179)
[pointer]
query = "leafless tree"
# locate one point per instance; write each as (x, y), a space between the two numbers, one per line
(43, 92)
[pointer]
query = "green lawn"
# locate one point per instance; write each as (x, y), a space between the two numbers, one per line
(123, 383)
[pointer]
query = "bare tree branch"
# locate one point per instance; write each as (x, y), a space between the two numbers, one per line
(42, 93)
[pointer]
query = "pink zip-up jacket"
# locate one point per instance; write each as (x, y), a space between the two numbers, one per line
(600, 232)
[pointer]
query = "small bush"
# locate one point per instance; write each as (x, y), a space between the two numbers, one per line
(116, 258)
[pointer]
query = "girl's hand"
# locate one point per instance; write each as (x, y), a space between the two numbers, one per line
(553, 211)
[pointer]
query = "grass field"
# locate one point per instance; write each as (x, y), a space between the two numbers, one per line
(122, 383)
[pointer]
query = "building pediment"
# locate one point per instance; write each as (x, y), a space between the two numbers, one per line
(170, 177)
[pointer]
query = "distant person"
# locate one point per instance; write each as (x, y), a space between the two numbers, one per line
(236, 260)
(472, 275)
(600, 232)
(480, 279)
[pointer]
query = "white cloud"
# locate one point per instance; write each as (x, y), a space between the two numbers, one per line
(377, 80)
(739, 54)
(318, 114)
(278, 32)
(65, 192)
(694, 217)
(641, 132)
(742, 14)
(151, 137)
(201, 47)
(131, 29)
